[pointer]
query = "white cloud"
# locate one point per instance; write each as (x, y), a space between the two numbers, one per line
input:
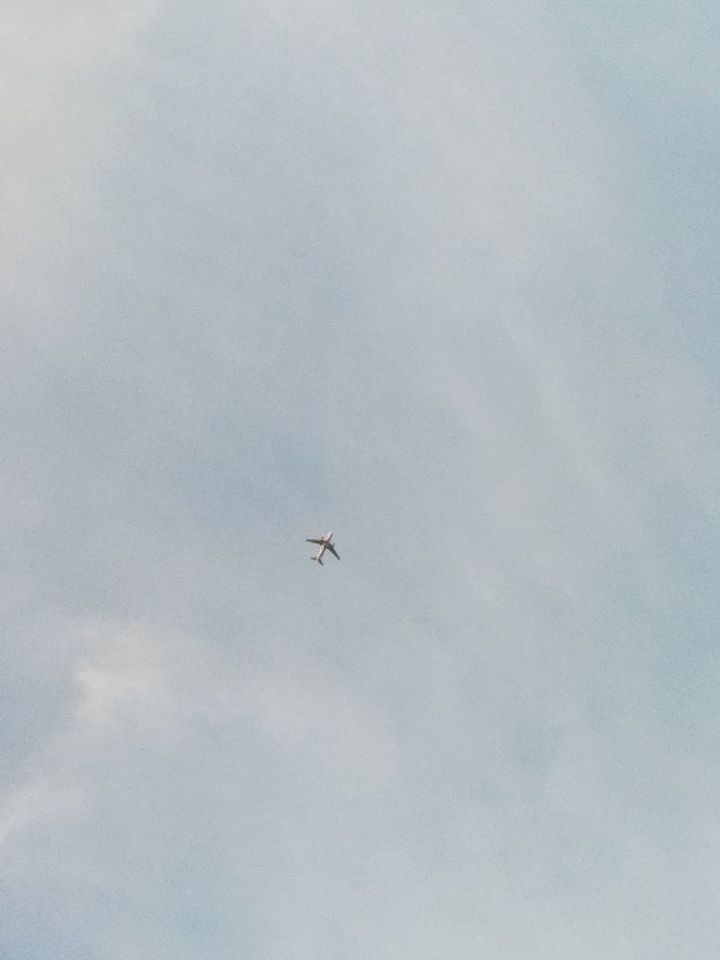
(34, 803)
(124, 680)
(376, 268)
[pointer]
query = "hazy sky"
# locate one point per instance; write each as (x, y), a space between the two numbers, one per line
(441, 277)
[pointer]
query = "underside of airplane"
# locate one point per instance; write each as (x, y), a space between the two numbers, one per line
(325, 543)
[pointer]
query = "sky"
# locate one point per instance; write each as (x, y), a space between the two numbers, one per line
(440, 277)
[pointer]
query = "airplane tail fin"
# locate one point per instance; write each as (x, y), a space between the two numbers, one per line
(317, 560)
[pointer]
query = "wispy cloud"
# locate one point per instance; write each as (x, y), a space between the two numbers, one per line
(405, 273)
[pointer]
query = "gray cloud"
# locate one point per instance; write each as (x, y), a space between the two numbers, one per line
(409, 274)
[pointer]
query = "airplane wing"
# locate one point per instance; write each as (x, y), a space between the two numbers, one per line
(333, 551)
(310, 540)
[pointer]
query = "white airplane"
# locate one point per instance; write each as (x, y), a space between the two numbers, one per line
(325, 543)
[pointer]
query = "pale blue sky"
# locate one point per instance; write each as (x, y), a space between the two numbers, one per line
(442, 278)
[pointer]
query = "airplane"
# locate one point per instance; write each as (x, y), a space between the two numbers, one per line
(325, 543)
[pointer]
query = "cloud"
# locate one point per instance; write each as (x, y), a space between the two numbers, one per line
(34, 803)
(124, 680)
(381, 270)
